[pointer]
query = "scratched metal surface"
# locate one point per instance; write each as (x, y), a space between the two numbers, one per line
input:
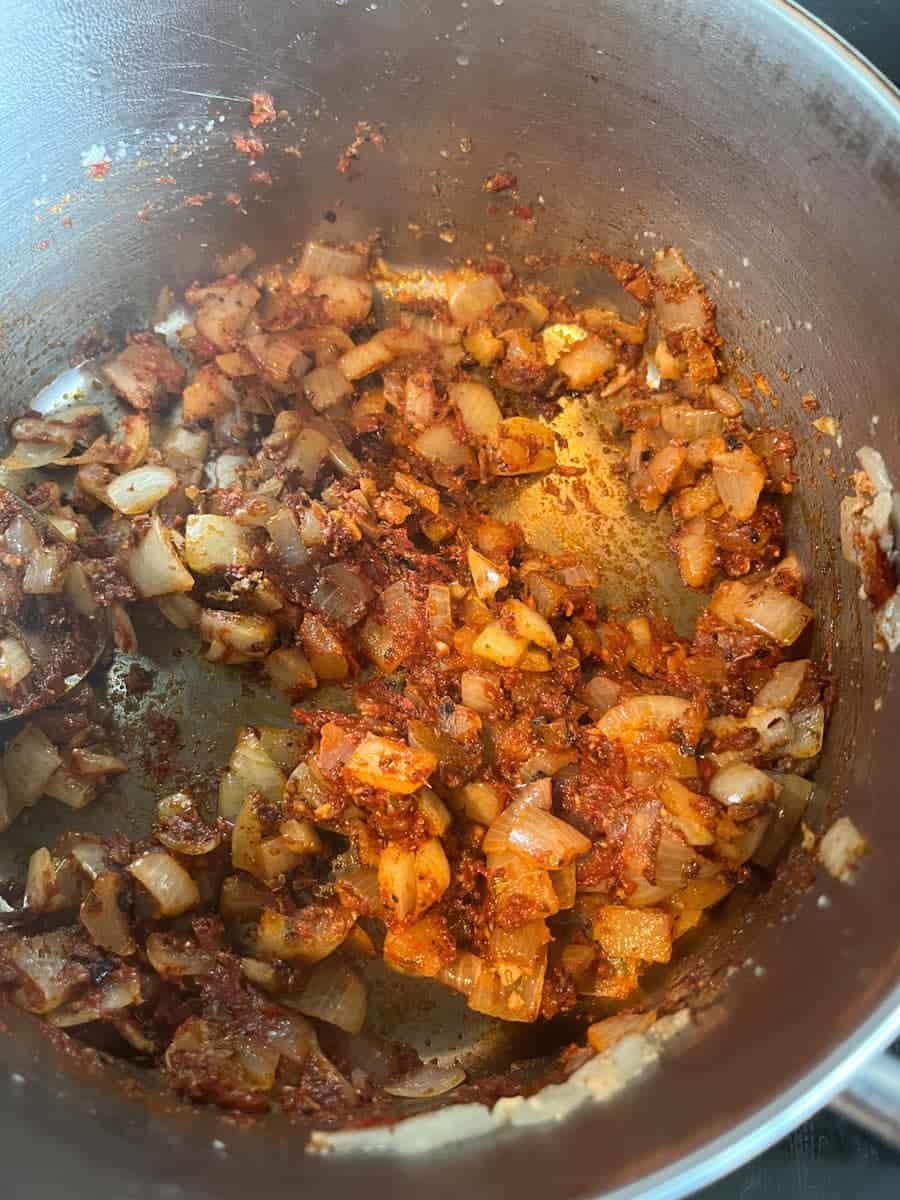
(827, 1158)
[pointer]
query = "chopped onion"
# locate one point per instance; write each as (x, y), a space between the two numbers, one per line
(439, 611)
(643, 714)
(319, 260)
(341, 595)
(29, 456)
(479, 691)
(778, 615)
(334, 993)
(686, 423)
(677, 863)
(41, 893)
(250, 769)
(29, 761)
(324, 650)
(69, 789)
(565, 885)
(154, 566)
(509, 991)
(487, 578)
(793, 800)
(309, 935)
(529, 624)
(285, 533)
(471, 297)
(739, 477)
(326, 386)
(140, 490)
(92, 764)
(103, 914)
(722, 400)
(462, 974)
(634, 933)
(499, 646)
(21, 537)
(365, 358)
(773, 726)
(601, 694)
(808, 732)
(15, 665)
(521, 446)
(212, 543)
(426, 1082)
(384, 763)
(478, 410)
(441, 444)
(841, 848)
(173, 890)
(696, 552)
(783, 686)
(397, 881)
(182, 829)
(742, 786)
(539, 835)
(522, 945)
(44, 573)
(477, 801)
(586, 362)
(289, 670)
(236, 637)
(175, 957)
(180, 610)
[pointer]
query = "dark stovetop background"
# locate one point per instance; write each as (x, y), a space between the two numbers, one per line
(827, 1158)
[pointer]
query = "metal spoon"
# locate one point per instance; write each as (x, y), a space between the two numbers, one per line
(87, 636)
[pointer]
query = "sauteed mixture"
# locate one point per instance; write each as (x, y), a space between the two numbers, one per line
(519, 794)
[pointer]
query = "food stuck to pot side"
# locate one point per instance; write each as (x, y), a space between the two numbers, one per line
(525, 798)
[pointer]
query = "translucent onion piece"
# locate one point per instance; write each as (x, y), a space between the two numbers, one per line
(471, 297)
(605, 1034)
(362, 360)
(522, 446)
(236, 637)
(654, 714)
(441, 444)
(70, 789)
(774, 613)
(29, 456)
(212, 543)
(334, 993)
(479, 692)
(783, 686)
(103, 914)
(44, 572)
(397, 881)
(496, 644)
(284, 531)
(140, 490)
(154, 566)
(677, 863)
(21, 537)
(601, 694)
(841, 848)
(542, 837)
(462, 974)
(28, 763)
(686, 423)
(522, 945)
(341, 595)
(319, 260)
(586, 362)
(509, 991)
(742, 786)
(289, 669)
(478, 410)
(487, 578)
(426, 1082)
(808, 732)
(182, 829)
(634, 933)
(176, 957)
(15, 665)
(739, 477)
(49, 975)
(529, 624)
(479, 802)
(793, 800)
(173, 890)
(387, 764)
(308, 935)
(326, 386)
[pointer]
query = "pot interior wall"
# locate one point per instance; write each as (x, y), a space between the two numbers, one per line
(726, 129)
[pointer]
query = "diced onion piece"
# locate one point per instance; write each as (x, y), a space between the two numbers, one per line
(441, 444)
(250, 769)
(171, 887)
(634, 933)
(517, 882)
(509, 990)
(546, 839)
(365, 358)
(422, 948)
(307, 453)
(439, 611)
(522, 445)
(477, 801)
(522, 945)
(723, 400)
(309, 935)
(212, 543)
(808, 732)
(180, 610)
(742, 786)
(44, 572)
(739, 476)
(793, 799)
(397, 881)
(93, 763)
(15, 665)
(471, 297)
(103, 914)
(324, 650)
(319, 260)
(586, 362)
(29, 761)
(70, 789)
(479, 691)
(603, 1035)
(21, 537)
(498, 645)
(79, 590)
(529, 624)
(140, 490)
(182, 829)
(487, 578)
(434, 812)
(326, 386)
(462, 974)
(40, 882)
(175, 957)
(695, 550)
(289, 670)
(154, 566)
(783, 686)
(684, 422)
(334, 993)
(775, 613)
(841, 848)
(236, 637)
(384, 763)
(478, 410)
(341, 595)
(426, 1082)
(639, 714)
(432, 874)
(284, 531)
(601, 694)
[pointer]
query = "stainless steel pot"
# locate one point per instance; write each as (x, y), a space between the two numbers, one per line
(740, 131)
